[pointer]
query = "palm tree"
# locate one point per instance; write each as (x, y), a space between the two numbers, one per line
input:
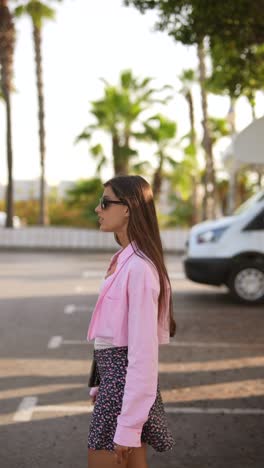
(116, 114)
(38, 13)
(210, 184)
(188, 78)
(7, 42)
(161, 131)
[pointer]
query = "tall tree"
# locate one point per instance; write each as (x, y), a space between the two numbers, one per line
(117, 114)
(240, 21)
(39, 12)
(7, 42)
(234, 73)
(161, 131)
(237, 74)
(183, 21)
(210, 186)
(193, 21)
(188, 78)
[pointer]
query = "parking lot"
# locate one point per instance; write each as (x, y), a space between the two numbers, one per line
(211, 374)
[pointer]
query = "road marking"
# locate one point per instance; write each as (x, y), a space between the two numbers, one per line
(65, 408)
(55, 342)
(75, 342)
(193, 344)
(81, 289)
(25, 409)
(175, 275)
(93, 274)
(195, 410)
(201, 344)
(212, 365)
(72, 308)
(58, 341)
(28, 407)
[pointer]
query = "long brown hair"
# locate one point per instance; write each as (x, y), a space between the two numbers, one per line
(143, 228)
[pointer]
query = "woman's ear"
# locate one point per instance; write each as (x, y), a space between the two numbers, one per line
(127, 212)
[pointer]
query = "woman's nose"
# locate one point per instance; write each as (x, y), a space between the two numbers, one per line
(97, 209)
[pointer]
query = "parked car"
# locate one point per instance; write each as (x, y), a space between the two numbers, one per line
(16, 220)
(230, 251)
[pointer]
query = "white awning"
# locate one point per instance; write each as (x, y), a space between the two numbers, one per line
(247, 147)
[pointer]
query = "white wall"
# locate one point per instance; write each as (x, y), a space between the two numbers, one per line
(72, 238)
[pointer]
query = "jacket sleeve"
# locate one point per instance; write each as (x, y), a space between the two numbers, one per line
(142, 371)
(94, 391)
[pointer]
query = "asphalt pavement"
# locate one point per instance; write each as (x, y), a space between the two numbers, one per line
(211, 374)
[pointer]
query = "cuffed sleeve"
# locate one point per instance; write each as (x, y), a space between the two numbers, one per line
(142, 371)
(127, 436)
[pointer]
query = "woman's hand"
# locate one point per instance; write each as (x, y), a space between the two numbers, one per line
(121, 453)
(93, 394)
(93, 399)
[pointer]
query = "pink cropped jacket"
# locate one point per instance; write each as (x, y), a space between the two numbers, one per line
(126, 313)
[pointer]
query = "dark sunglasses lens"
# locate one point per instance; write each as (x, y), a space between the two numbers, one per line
(103, 203)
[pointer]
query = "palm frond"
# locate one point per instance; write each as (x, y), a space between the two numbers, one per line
(85, 135)
(38, 12)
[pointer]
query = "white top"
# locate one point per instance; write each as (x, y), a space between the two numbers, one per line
(102, 343)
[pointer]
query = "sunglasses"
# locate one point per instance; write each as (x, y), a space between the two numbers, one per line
(105, 203)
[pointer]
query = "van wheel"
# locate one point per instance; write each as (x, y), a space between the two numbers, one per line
(246, 282)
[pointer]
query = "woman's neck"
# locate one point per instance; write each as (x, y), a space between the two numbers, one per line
(123, 239)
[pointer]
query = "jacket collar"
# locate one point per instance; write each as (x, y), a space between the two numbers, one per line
(123, 254)
(122, 257)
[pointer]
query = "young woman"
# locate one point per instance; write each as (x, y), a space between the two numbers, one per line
(132, 316)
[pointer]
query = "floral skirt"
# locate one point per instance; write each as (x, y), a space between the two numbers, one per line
(111, 365)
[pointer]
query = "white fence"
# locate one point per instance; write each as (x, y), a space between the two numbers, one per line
(77, 239)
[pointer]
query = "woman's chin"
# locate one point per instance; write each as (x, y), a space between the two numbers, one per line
(104, 228)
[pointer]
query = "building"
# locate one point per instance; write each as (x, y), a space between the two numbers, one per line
(29, 189)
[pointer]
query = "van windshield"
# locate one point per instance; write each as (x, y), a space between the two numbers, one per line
(259, 196)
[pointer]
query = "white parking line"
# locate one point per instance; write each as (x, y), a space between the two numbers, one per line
(25, 409)
(93, 274)
(196, 410)
(66, 408)
(72, 308)
(81, 289)
(76, 342)
(175, 275)
(201, 344)
(28, 407)
(55, 342)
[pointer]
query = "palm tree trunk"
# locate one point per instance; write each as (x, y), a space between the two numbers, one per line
(120, 163)
(210, 189)
(7, 41)
(195, 209)
(43, 209)
(252, 102)
(157, 178)
(191, 116)
(9, 189)
(231, 196)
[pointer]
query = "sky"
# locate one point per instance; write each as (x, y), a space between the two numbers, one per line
(87, 41)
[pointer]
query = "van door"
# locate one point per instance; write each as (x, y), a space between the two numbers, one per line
(256, 229)
(246, 281)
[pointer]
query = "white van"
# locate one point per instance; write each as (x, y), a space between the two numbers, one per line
(230, 251)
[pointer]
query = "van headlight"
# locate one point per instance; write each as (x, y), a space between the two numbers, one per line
(212, 235)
